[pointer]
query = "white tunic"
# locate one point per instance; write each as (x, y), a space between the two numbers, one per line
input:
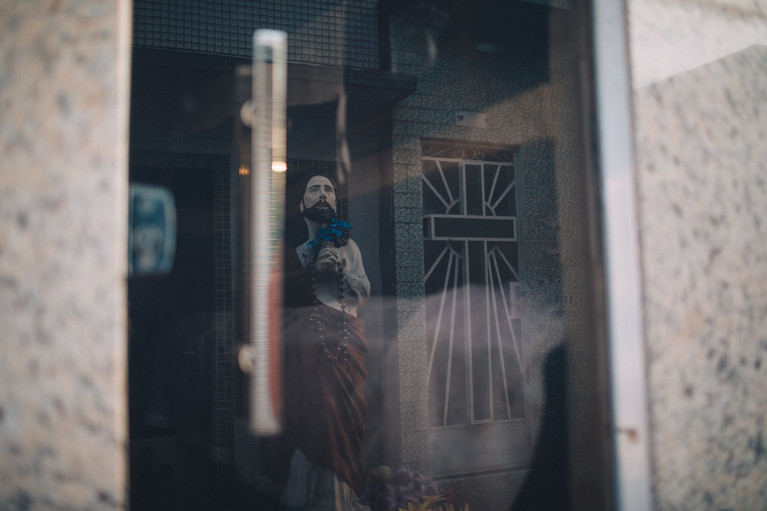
(355, 284)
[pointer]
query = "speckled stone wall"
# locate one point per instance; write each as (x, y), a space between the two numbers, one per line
(63, 206)
(700, 101)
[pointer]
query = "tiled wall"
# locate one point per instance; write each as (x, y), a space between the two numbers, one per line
(322, 32)
(700, 103)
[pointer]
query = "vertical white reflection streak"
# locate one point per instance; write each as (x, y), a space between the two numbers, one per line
(268, 96)
(624, 311)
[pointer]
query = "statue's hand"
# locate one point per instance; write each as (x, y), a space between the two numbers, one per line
(328, 259)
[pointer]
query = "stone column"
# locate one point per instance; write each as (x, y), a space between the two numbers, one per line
(64, 98)
(700, 102)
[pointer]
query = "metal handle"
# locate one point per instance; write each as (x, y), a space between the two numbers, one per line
(268, 211)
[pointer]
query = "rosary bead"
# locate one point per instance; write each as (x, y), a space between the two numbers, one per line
(341, 352)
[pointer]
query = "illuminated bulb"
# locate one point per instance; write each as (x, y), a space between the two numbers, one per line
(244, 170)
(279, 166)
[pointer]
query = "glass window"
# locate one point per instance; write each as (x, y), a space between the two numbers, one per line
(438, 305)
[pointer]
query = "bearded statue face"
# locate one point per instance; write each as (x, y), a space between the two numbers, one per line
(319, 200)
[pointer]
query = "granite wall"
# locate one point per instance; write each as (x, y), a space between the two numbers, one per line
(700, 110)
(63, 194)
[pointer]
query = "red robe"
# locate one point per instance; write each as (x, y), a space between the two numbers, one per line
(325, 406)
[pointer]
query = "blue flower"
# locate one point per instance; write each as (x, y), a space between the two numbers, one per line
(336, 234)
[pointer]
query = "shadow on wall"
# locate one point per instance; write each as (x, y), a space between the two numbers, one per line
(547, 485)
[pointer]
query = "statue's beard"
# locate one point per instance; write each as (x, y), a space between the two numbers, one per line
(321, 212)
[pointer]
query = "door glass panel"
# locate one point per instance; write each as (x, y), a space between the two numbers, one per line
(441, 344)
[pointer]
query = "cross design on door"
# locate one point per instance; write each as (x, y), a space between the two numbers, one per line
(472, 280)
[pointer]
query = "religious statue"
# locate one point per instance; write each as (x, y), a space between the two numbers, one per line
(325, 347)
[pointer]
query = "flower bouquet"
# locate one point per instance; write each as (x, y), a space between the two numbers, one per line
(336, 234)
(406, 490)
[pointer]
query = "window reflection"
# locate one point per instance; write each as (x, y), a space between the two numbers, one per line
(452, 134)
